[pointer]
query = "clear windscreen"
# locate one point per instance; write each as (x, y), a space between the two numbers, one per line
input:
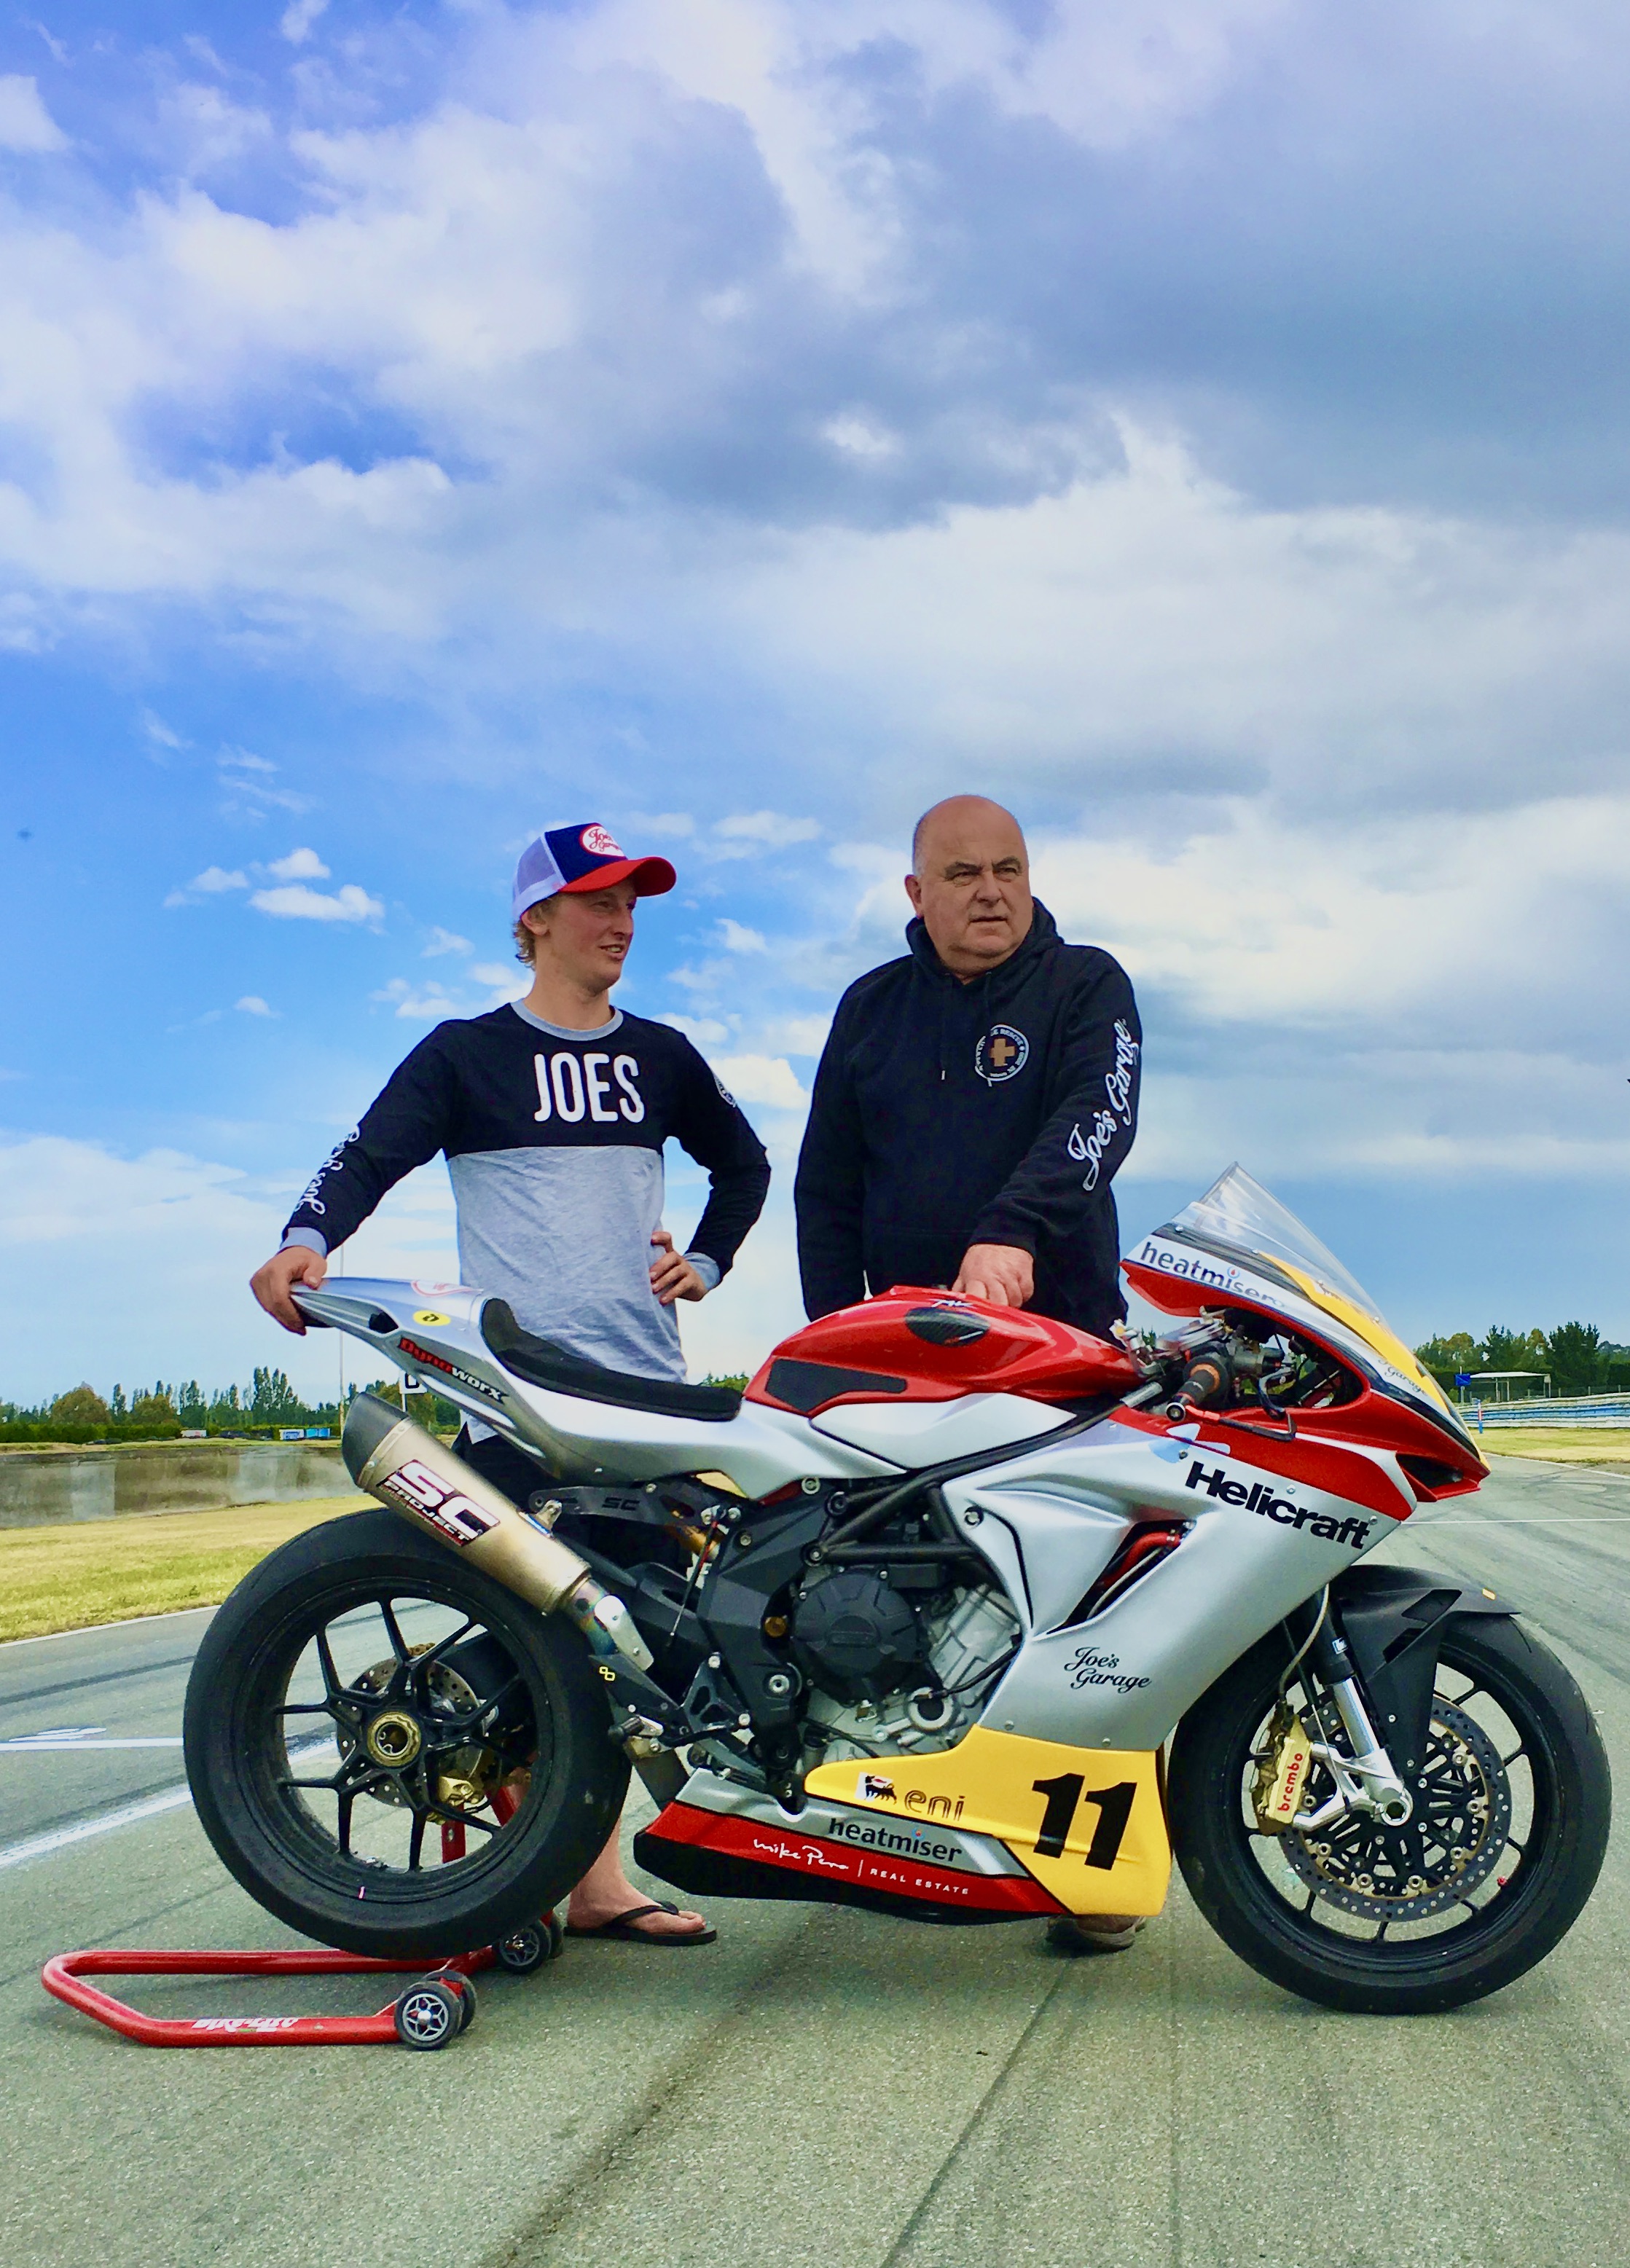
(1238, 1220)
(1238, 1215)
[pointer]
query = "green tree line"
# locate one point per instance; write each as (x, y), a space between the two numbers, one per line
(1575, 1356)
(165, 1411)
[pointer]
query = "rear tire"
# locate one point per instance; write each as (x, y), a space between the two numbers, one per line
(237, 1729)
(1552, 1855)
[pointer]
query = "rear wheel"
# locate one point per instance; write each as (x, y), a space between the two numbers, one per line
(1512, 1803)
(392, 1753)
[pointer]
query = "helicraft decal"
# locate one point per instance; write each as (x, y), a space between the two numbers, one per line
(1089, 1149)
(1218, 1483)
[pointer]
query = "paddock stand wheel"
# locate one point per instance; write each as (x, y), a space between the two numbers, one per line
(526, 1950)
(434, 2011)
(429, 2014)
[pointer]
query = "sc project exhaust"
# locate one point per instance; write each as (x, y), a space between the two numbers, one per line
(412, 1473)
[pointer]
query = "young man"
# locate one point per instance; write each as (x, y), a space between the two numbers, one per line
(552, 1113)
(972, 1104)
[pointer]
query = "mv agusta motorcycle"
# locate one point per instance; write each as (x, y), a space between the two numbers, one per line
(911, 1625)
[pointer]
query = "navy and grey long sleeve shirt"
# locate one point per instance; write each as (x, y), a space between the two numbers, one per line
(993, 1112)
(554, 1144)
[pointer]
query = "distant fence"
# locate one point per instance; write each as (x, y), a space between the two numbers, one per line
(40, 1488)
(1551, 1410)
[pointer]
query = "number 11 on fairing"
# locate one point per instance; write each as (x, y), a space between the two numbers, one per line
(1063, 1794)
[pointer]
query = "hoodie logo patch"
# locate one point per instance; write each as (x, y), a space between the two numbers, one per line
(1002, 1053)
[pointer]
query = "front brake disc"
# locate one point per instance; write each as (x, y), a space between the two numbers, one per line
(1451, 1844)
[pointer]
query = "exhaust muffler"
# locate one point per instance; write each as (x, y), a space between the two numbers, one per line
(411, 1472)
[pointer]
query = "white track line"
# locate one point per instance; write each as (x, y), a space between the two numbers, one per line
(104, 1823)
(122, 1814)
(92, 1630)
(43, 1744)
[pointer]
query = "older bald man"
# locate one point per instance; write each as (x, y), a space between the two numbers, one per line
(975, 1098)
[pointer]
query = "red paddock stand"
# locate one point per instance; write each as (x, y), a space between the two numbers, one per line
(429, 2014)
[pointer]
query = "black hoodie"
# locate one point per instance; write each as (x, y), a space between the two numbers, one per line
(994, 1112)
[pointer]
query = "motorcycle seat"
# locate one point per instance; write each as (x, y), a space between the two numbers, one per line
(541, 1362)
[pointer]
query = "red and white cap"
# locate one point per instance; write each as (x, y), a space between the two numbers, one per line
(587, 856)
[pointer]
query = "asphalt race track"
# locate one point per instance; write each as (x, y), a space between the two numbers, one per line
(821, 2089)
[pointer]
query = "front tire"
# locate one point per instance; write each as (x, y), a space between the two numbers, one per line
(391, 1752)
(1511, 1827)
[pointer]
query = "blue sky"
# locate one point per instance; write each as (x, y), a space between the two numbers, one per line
(1199, 423)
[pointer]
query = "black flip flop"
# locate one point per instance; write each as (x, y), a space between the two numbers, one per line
(622, 1927)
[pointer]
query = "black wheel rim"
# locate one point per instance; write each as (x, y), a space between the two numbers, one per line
(1457, 1874)
(396, 1737)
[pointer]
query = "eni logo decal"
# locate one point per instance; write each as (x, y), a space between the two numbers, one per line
(1002, 1053)
(875, 1787)
(430, 1317)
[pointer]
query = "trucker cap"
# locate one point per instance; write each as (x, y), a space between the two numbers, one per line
(583, 857)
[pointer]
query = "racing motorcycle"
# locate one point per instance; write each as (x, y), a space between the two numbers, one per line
(911, 1624)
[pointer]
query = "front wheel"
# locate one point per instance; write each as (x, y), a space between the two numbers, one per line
(392, 1753)
(1512, 1805)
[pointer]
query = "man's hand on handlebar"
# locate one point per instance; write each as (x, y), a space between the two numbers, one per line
(1004, 1274)
(296, 1263)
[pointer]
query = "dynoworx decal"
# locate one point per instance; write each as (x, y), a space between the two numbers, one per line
(423, 1357)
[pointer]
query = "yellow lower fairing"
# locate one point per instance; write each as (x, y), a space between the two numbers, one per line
(1375, 1335)
(1088, 1823)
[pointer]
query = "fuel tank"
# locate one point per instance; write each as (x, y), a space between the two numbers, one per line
(920, 1345)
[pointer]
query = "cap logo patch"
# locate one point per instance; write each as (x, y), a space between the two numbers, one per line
(602, 840)
(1002, 1053)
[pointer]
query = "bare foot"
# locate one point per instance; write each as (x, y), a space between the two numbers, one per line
(605, 1894)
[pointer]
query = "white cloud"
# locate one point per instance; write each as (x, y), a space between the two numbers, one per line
(26, 125)
(736, 938)
(159, 732)
(298, 866)
(296, 903)
(443, 940)
(296, 21)
(1151, 626)
(797, 1035)
(857, 437)
(170, 1241)
(767, 1079)
(676, 823)
(243, 760)
(210, 883)
(771, 827)
(252, 1004)
(506, 979)
(419, 1004)
(1264, 918)
(701, 1031)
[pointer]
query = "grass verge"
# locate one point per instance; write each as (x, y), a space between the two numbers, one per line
(1559, 1445)
(106, 1571)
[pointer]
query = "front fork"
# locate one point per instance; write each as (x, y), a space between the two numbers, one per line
(1366, 1780)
